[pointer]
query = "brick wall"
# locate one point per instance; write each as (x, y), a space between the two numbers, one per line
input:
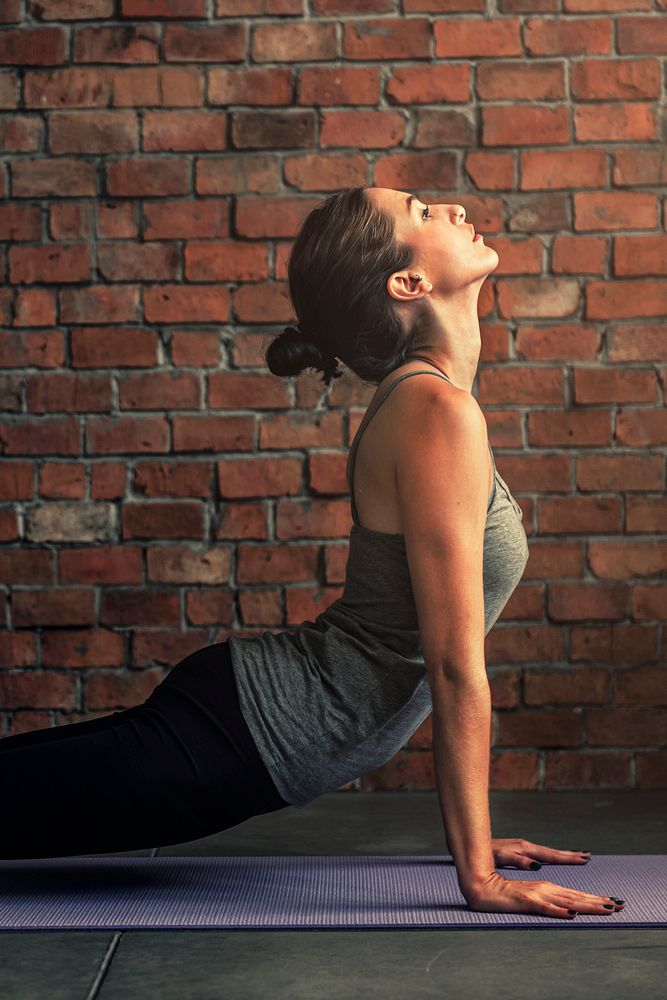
(159, 488)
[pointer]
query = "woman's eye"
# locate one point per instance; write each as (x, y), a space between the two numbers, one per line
(426, 210)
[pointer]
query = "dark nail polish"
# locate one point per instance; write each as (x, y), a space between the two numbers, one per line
(572, 911)
(608, 906)
(535, 865)
(615, 899)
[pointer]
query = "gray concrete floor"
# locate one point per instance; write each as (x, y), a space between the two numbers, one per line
(491, 964)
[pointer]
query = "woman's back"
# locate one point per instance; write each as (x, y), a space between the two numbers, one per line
(329, 699)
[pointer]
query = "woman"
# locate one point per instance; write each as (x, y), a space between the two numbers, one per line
(255, 724)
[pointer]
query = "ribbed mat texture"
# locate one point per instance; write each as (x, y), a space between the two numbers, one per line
(112, 892)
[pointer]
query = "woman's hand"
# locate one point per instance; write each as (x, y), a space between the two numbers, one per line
(520, 853)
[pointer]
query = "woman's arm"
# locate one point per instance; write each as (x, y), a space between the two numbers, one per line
(442, 488)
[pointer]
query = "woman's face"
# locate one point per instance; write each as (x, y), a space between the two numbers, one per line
(444, 252)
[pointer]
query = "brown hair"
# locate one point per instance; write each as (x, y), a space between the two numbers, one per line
(337, 274)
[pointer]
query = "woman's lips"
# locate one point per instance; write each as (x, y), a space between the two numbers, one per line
(476, 237)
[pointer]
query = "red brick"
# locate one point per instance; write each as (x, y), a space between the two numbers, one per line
(180, 564)
(16, 481)
(25, 566)
(525, 125)
(40, 436)
(474, 37)
(62, 481)
(119, 435)
(186, 219)
(433, 127)
(220, 43)
(500, 80)
(42, 178)
(258, 607)
(138, 262)
(38, 688)
(580, 515)
(92, 132)
(611, 560)
(184, 130)
(20, 222)
(32, 46)
(640, 255)
(70, 220)
(68, 392)
(111, 304)
(200, 348)
(101, 347)
(649, 602)
(636, 342)
(364, 129)
(640, 726)
(68, 88)
(218, 433)
(562, 168)
(601, 122)
(303, 41)
(165, 86)
(433, 84)
(8, 90)
(147, 177)
(637, 166)
(81, 648)
(641, 34)
(180, 519)
(572, 428)
(107, 480)
(384, 39)
(35, 307)
(324, 85)
(647, 513)
(159, 391)
(178, 304)
(575, 255)
(274, 129)
(114, 689)
(436, 170)
(110, 564)
(230, 261)
(262, 86)
(209, 607)
(65, 10)
(116, 220)
(139, 606)
(611, 299)
(42, 349)
(63, 606)
(572, 769)
(52, 263)
(325, 173)
(612, 386)
(621, 79)
(276, 563)
(165, 479)
(17, 649)
(163, 8)
(20, 133)
(153, 646)
(118, 44)
(580, 37)
(619, 472)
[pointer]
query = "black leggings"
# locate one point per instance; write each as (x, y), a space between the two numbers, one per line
(180, 766)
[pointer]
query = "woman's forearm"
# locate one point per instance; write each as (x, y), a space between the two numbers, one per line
(461, 748)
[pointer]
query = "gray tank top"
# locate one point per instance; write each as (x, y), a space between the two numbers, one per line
(329, 700)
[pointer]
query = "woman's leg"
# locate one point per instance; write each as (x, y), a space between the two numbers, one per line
(175, 768)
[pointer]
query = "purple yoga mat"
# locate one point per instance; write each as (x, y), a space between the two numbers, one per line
(111, 892)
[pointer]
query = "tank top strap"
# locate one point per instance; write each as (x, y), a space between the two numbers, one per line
(368, 416)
